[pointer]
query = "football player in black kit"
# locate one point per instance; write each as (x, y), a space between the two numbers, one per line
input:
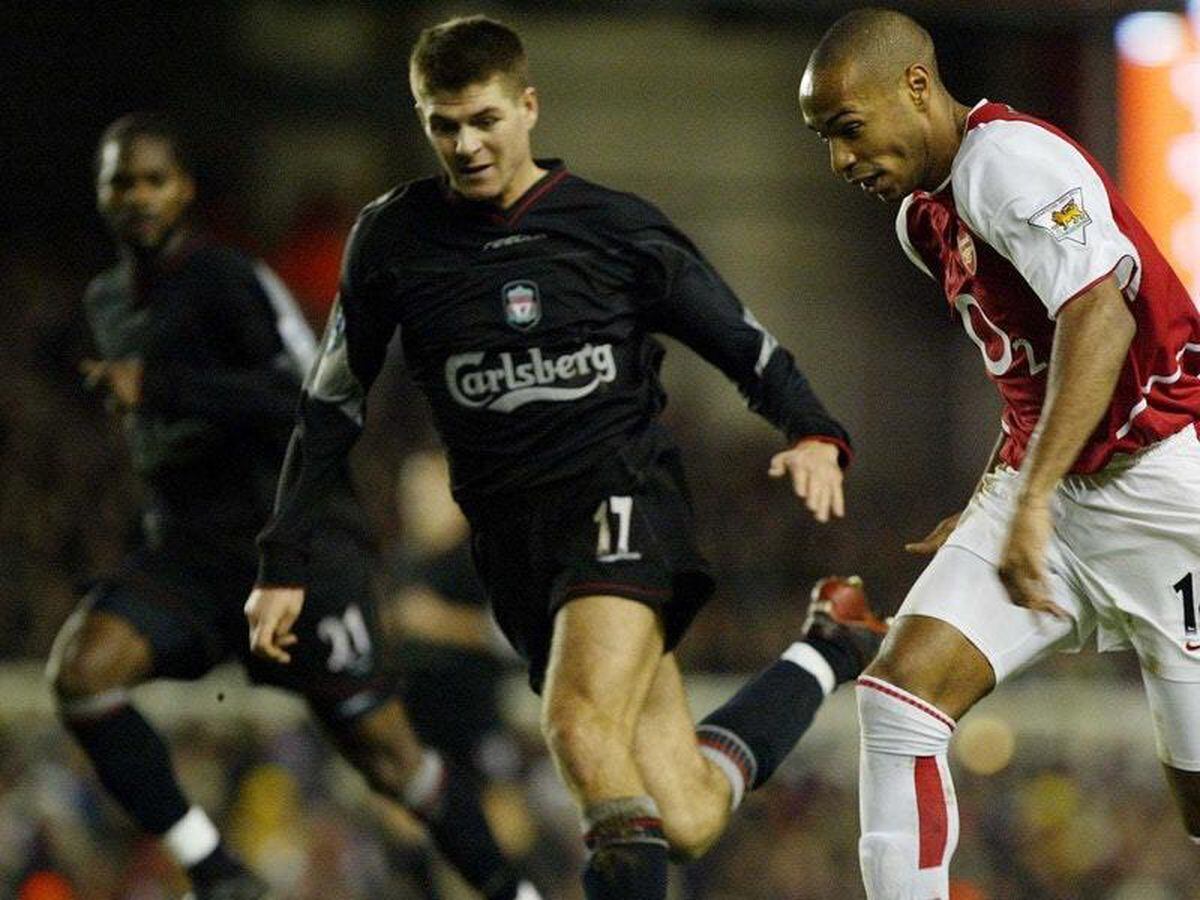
(202, 351)
(525, 297)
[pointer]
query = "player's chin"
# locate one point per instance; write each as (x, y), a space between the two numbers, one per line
(477, 189)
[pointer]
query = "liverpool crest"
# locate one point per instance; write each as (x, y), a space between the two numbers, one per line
(522, 304)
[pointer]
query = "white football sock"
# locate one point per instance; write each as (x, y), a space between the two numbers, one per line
(192, 838)
(907, 806)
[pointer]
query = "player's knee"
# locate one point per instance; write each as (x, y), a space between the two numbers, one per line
(887, 861)
(84, 672)
(383, 747)
(88, 660)
(579, 734)
(935, 662)
(893, 721)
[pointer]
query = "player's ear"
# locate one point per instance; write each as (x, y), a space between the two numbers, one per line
(919, 84)
(529, 103)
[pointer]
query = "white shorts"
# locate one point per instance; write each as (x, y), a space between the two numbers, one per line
(1124, 561)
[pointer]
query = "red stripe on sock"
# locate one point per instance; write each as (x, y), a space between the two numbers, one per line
(932, 822)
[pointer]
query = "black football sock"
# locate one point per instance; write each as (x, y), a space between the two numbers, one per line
(754, 731)
(845, 664)
(131, 761)
(448, 801)
(217, 865)
(627, 852)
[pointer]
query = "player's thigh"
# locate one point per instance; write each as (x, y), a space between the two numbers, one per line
(604, 654)
(957, 633)
(157, 616)
(1136, 539)
(692, 795)
(380, 742)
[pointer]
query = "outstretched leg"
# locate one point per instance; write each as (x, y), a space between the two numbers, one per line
(96, 658)
(699, 775)
(382, 745)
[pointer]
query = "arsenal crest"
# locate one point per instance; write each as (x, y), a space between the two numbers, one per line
(966, 250)
(522, 304)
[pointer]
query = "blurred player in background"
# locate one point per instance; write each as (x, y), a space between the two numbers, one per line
(1088, 515)
(445, 646)
(525, 298)
(202, 352)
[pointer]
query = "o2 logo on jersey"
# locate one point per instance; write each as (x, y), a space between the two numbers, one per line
(522, 304)
(994, 342)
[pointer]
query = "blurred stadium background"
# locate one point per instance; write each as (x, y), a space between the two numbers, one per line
(301, 113)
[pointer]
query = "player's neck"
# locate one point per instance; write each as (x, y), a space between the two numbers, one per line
(526, 177)
(953, 130)
(153, 259)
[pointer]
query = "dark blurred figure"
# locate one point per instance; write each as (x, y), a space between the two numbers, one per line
(202, 352)
(448, 654)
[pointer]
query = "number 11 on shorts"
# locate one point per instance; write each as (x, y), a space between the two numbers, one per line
(622, 509)
(1183, 587)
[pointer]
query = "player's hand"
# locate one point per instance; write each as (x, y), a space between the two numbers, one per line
(816, 476)
(271, 612)
(1023, 562)
(122, 377)
(934, 540)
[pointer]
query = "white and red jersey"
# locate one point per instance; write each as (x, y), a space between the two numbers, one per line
(1028, 221)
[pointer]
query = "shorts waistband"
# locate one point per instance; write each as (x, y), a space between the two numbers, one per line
(1123, 462)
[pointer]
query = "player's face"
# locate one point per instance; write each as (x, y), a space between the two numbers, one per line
(141, 190)
(876, 135)
(481, 137)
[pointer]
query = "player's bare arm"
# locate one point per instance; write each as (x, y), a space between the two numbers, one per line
(816, 476)
(271, 612)
(1091, 341)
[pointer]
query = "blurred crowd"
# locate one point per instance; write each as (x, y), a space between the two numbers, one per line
(1039, 829)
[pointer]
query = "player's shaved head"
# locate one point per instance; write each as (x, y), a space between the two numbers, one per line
(871, 90)
(880, 44)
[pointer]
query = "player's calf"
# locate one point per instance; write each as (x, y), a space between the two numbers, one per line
(383, 746)
(749, 737)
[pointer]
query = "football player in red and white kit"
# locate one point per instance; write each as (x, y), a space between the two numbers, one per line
(1088, 517)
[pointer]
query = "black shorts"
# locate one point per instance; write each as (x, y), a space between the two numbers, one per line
(625, 530)
(187, 598)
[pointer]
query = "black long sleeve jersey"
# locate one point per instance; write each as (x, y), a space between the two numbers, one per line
(223, 350)
(530, 332)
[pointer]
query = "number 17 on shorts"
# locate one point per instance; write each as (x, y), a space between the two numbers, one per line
(616, 511)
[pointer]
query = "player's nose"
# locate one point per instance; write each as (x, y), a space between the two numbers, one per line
(467, 143)
(841, 160)
(141, 194)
